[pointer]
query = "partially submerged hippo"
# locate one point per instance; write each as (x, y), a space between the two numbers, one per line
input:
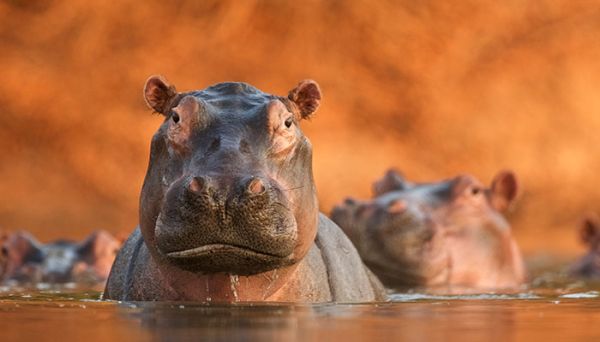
(228, 209)
(448, 234)
(27, 261)
(588, 266)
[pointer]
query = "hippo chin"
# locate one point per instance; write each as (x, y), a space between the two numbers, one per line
(447, 235)
(588, 266)
(228, 209)
(26, 261)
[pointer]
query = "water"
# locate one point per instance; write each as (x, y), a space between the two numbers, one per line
(553, 308)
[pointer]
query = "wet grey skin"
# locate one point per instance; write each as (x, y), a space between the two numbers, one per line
(229, 191)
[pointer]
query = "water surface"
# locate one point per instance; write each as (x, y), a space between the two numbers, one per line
(552, 308)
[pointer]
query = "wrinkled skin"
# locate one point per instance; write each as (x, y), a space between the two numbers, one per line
(588, 266)
(228, 209)
(448, 235)
(27, 261)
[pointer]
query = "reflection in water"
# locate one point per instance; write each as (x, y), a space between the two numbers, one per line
(566, 309)
(183, 320)
(326, 322)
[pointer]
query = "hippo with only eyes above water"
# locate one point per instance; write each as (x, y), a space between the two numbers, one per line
(228, 209)
(448, 235)
(27, 261)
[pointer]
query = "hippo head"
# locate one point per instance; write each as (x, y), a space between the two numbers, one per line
(396, 238)
(229, 187)
(447, 232)
(29, 261)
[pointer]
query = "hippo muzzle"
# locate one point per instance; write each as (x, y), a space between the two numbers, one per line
(234, 224)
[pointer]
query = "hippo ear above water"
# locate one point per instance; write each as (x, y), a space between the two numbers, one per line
(590, 229)
(96, 245)
(504, 190)
(159, 93)
(20, 244)
(307, 96)
(391, 181)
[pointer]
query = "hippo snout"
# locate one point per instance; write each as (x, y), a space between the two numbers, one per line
(249, 187)
(226, 224)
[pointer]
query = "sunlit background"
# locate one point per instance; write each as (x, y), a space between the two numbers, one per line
(434, 88)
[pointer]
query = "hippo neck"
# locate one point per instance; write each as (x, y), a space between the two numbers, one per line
(224, 287)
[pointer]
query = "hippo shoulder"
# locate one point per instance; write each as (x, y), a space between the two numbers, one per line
(349, 279)
(134, 276)
(121, 269)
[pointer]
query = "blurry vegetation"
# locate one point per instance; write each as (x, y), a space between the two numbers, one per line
(433, 88)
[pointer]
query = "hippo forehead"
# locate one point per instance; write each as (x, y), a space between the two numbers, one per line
(62, 244)
(426, 193)
(59, 249)
(235, 99)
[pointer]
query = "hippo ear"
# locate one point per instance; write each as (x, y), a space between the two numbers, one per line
(20, 244)
(391, 181)
(98, 245)
(307, 96)
(158, 94)
(3, 251)
(590, 229)
(504, 190)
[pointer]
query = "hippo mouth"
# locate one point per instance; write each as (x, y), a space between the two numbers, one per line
(235, 259)
(217, 248)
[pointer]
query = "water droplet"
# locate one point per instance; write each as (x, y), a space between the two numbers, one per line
(234, 281)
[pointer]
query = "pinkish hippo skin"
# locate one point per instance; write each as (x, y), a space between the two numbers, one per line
(26, 261)
(448, 235)
(228, 209)
(588, 266)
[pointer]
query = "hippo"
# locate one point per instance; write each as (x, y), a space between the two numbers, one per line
(588, 266)
(446, 236)
(228, 208)
(27, 261)
(3, 254)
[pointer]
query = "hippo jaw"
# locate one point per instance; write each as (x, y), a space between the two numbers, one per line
(215, 258)
(208, 226)
(229, 257)
(205, 252)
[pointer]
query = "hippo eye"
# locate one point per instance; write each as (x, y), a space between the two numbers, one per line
(175, 117)
(288, 122)
(475, 191)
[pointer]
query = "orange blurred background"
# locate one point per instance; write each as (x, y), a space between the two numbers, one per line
(432, 88)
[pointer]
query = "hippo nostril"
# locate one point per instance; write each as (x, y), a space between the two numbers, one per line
(396, 207)
(198, 184)
(256, 186)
